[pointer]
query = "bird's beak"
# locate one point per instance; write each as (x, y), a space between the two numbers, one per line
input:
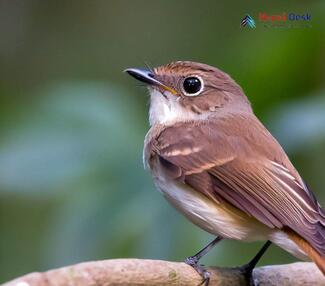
(147, 77)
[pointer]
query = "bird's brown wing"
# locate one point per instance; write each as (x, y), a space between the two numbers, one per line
(244, 165)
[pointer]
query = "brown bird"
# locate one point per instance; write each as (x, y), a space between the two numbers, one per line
(217, 164)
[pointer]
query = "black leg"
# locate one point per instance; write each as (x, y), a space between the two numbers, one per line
(248, 268)
(194, 261)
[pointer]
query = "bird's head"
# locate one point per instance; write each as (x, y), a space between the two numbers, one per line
(184, 91)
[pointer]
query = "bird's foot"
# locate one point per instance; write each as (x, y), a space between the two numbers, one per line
(205, 274)
(247, 269)
(247, 272)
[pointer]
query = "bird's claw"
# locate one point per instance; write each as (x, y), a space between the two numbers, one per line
(247, 272)
(206, 278)
(205, 274)
(191, 260)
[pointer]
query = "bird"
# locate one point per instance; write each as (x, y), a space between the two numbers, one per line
(218, 165)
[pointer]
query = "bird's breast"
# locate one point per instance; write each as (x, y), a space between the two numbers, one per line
(215, 218)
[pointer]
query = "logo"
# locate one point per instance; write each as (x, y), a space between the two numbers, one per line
(248, 21)
(280, 20)
(285, 20)
(284, 17)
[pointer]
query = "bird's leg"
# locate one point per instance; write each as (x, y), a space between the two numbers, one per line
(194, 261)
(247, 269)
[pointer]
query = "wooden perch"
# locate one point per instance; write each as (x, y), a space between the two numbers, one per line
(156, 272)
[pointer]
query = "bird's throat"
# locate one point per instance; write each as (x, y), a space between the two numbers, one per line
(167, 110)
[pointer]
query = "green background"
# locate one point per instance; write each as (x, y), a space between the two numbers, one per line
(72, 184)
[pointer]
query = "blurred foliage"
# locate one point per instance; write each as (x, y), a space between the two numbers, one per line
(72, 184)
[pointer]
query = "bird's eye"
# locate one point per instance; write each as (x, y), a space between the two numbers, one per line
(192, 86)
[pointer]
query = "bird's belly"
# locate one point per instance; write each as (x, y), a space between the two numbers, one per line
(221, 218)
(215, 218)
(281, 239)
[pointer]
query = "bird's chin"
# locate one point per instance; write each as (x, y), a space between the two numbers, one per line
(164, 107)
(159, 91)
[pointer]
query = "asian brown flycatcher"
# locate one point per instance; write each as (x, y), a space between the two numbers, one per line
(217, 164)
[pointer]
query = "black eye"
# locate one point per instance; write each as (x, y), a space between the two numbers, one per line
(192, 86)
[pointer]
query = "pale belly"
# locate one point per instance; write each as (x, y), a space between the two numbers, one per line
(215, 218)
(221, 219)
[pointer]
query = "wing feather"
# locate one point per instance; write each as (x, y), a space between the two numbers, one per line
(250, 172)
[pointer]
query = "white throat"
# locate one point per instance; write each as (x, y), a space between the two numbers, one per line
(168, 110)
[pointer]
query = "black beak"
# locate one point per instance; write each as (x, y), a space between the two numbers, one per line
(142, 75)
(147, 77)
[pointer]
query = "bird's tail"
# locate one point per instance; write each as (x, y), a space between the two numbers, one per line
(312, 253)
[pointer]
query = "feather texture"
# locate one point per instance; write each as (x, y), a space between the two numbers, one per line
(234, 158)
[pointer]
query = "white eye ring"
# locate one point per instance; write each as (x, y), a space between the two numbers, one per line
(191, 88)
